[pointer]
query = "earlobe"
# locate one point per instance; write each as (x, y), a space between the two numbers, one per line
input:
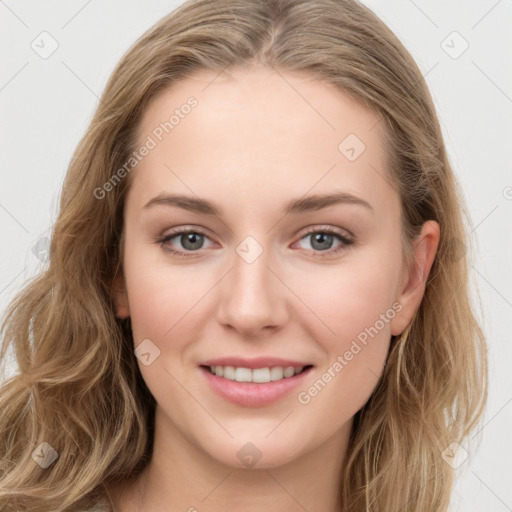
(414, 284)
(120, 296)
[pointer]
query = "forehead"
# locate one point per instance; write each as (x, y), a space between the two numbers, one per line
(260, 133)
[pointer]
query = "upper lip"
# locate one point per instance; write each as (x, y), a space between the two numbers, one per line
(258, 362)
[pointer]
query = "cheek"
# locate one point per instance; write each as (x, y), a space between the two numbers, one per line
(165, 308)
(358, 309)
(160, 297)
(351, 297)
(356, 305)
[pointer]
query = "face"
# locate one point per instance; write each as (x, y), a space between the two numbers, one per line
(252, 269)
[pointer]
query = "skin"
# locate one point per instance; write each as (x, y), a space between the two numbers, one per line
(252, 144)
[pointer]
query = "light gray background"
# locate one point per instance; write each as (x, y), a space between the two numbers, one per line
(46, 105)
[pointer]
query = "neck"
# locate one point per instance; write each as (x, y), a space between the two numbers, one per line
(182, 477)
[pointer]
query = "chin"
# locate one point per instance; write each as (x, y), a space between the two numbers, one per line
(256, 452)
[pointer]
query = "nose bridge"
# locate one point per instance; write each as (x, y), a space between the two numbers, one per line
(252, 295)
(251, 273)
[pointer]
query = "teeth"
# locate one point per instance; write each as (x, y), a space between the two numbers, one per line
(276, 373)
(289, 371)
(260, 375)
(243, 375)
(229, 372)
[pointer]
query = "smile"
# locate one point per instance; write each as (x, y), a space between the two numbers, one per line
(257, 375)
(254, 383)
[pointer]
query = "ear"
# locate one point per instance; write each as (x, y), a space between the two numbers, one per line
(413, 282)
(120, 295)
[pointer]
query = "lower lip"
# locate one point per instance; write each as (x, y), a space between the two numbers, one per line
(251, 394)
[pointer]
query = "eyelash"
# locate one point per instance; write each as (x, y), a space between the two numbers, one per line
(346, 242)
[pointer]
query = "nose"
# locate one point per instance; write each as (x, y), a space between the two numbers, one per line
(253, 298)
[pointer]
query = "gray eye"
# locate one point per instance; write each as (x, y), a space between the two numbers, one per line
(191, 241)
(321, 241)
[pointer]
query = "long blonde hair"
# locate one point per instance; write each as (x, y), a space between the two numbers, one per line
(78, 386)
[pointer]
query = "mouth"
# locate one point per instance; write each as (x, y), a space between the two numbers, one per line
(256, 375)
(254, 382)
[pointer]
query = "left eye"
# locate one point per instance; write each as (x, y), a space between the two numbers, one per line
(322, 240)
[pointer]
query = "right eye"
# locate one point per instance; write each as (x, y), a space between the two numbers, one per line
(191, 240)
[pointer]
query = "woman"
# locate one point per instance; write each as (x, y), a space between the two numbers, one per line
(257, 292)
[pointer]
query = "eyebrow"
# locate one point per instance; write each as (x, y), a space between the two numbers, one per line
(301, 205)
